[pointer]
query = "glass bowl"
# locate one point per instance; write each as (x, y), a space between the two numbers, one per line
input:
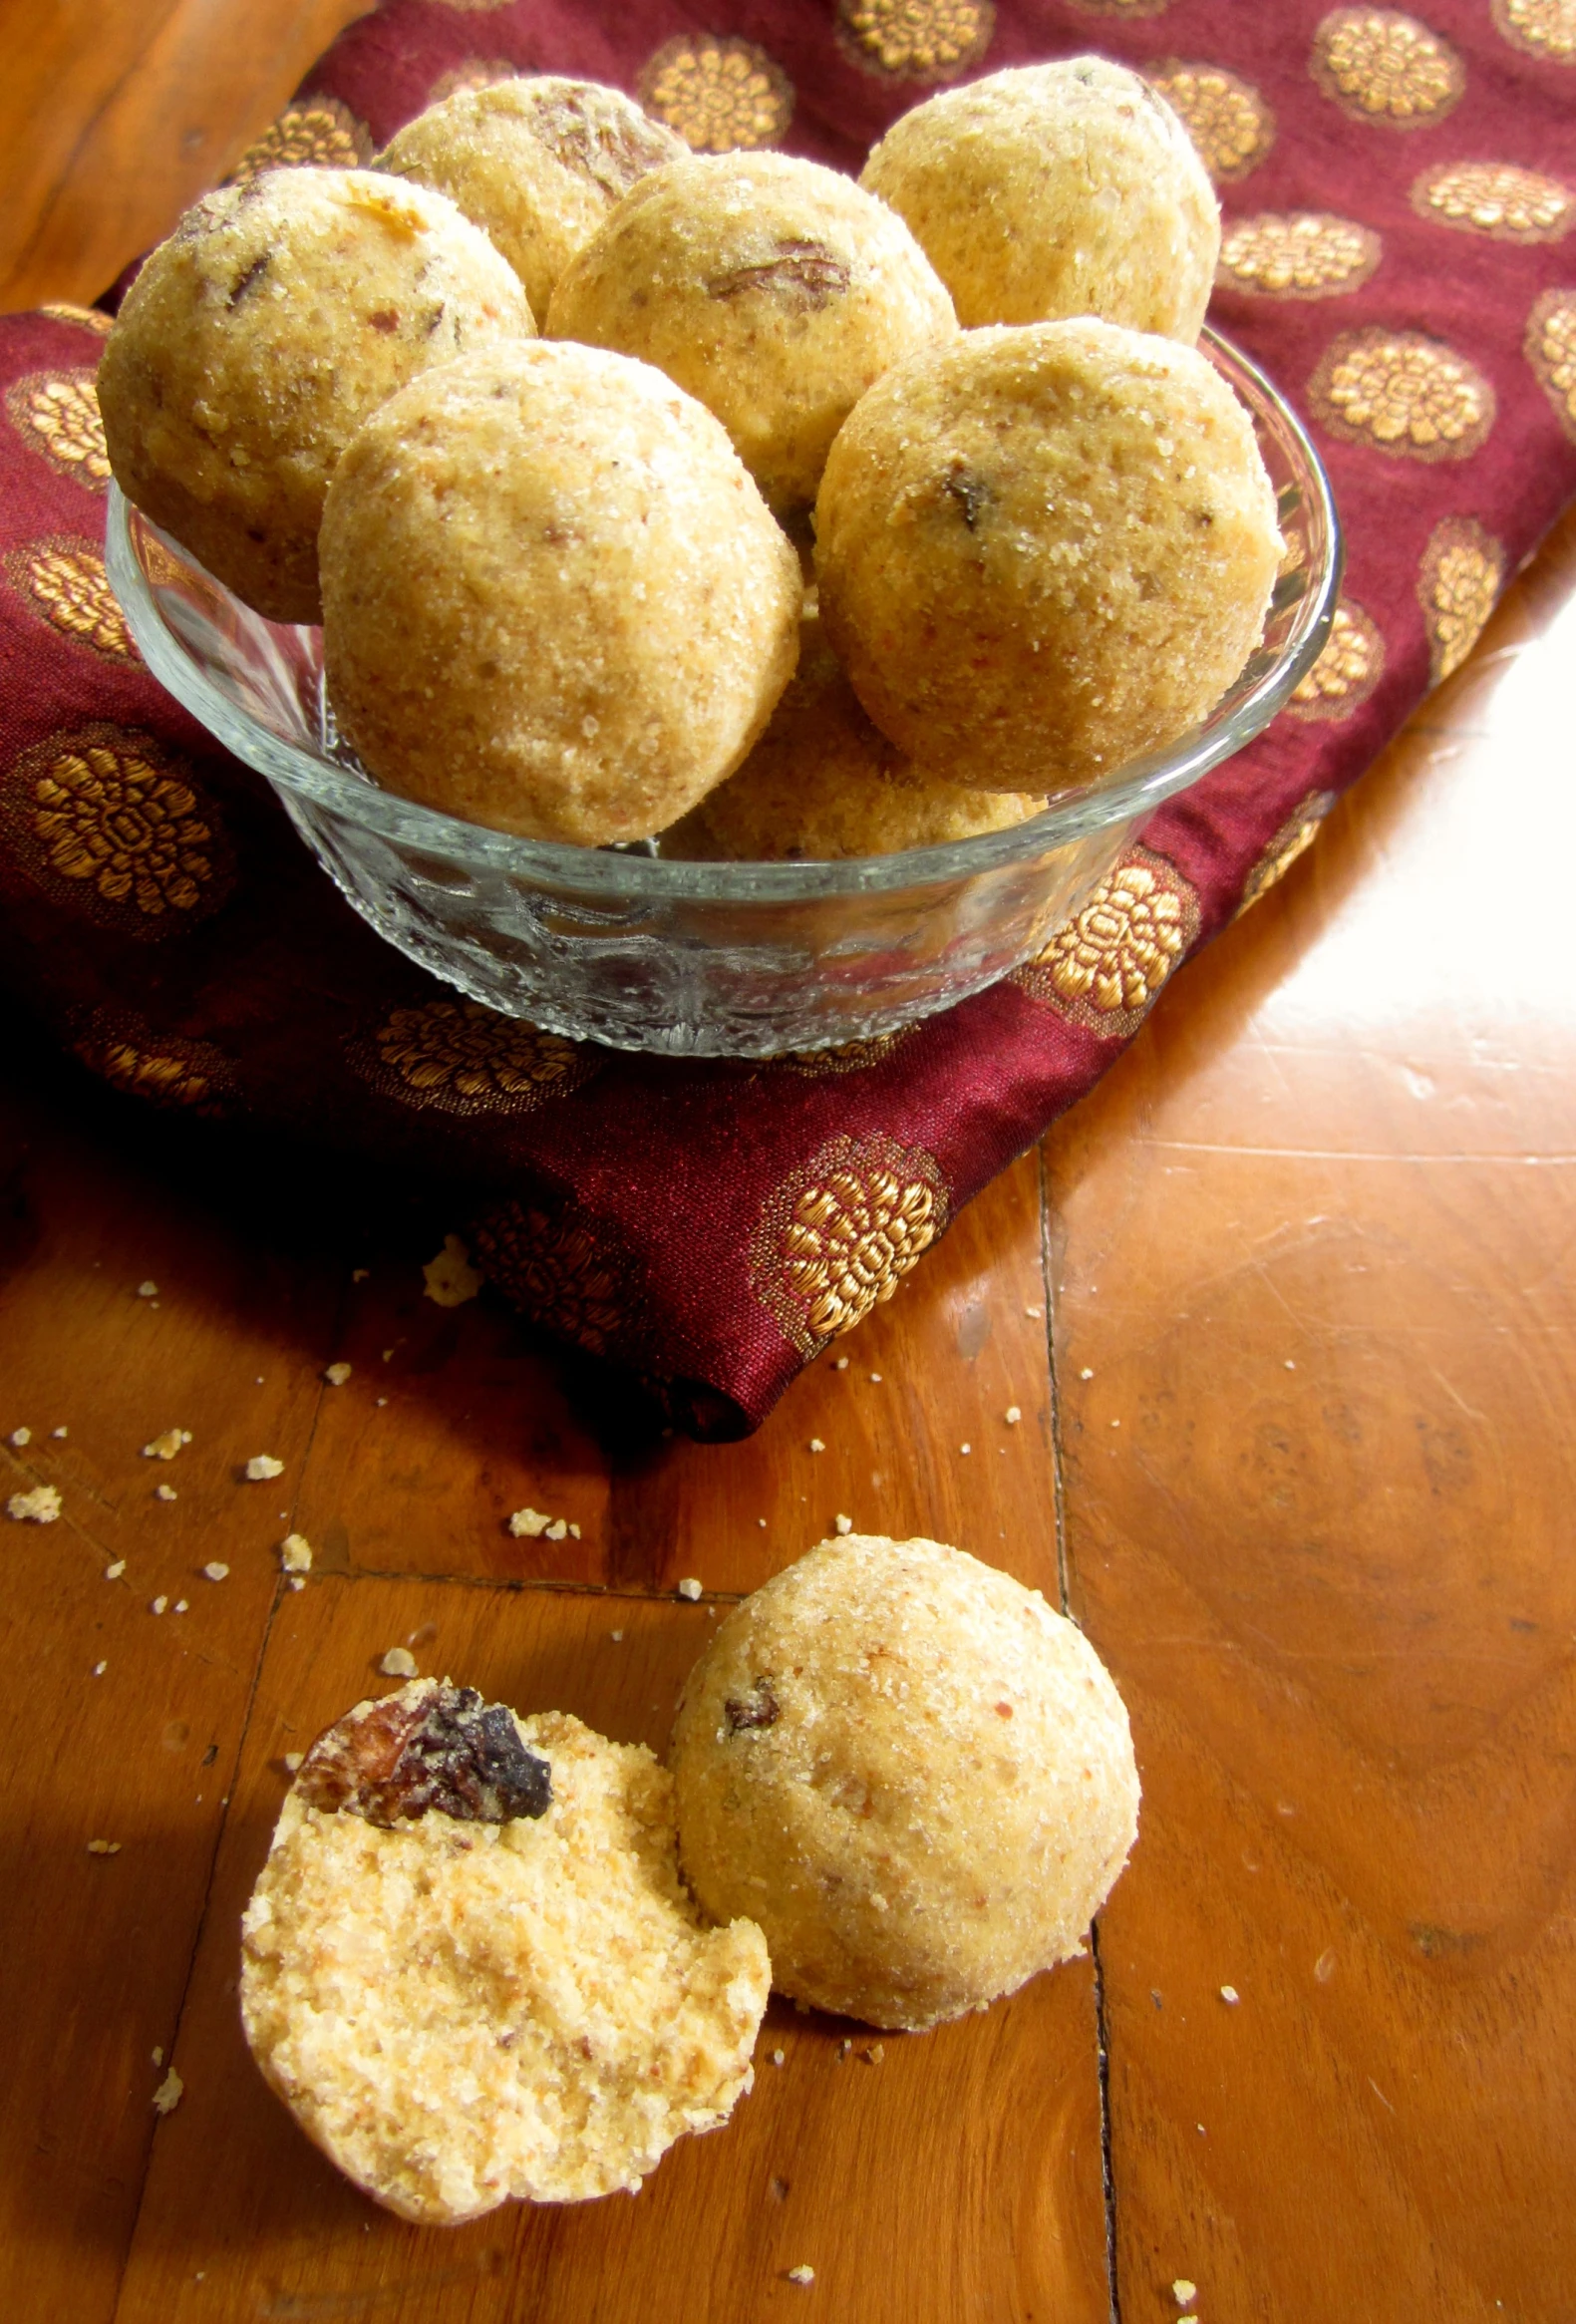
(700, 959)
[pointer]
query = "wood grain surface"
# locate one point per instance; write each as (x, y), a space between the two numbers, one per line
(1287, 1311)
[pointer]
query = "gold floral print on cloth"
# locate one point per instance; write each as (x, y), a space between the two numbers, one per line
(1104, 967)
(55, 414)
(1543, 28)
(314, 133)
(839, 1234)
(165, 1069)
(472, 72)
(720, 95)
(1297, 254)
(1550, 348)
(111, 821)
(1496, 198)
(1402, 393)
(1386, 68)
(461, 1057)
(915, 40)
(1226, 118)
(558, 1272)
(63, 581)
(1347, 671)
(91, 319)
(1458, 584)
(848, 1057)
(1293, 838)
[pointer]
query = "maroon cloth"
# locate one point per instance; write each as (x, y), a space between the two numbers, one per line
(707, 1224)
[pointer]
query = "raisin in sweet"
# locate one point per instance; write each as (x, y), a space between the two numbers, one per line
(430, 1745)
(759, 1708)
(801, 272)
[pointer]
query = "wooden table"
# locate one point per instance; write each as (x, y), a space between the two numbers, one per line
(1287, 1310)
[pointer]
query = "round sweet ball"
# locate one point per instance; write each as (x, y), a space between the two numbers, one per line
(1044, 550)
(255, 341)
(536, 163)
(468, 1966)
(553, 601)
(824, 783)
(1057, 190)
(772, 289)
(915, 1778)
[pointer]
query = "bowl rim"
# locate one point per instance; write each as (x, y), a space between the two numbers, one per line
(1144, 785)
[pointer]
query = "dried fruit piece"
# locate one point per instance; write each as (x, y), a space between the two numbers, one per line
(806, 272)
(431, 1746)
(759, 1708)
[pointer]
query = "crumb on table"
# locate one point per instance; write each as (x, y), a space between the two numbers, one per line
(451, 1278)
(262, 1465)
(41, 1505)
(166, 1446)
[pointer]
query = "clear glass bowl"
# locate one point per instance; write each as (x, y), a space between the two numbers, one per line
(700, 959)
